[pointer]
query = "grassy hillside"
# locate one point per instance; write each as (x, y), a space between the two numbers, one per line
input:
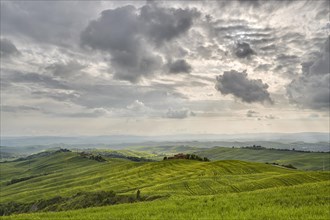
(67, 173)
(307, 201)
(301, 160)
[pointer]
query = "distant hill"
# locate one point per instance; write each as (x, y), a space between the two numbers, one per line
(301, 160)
(285, 138)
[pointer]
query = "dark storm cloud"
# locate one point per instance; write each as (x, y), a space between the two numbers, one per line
(164, 24)
(7, 48)
(179, 66)
(312, 88)
(243, 50)
(117, 31)
(131, 36)
(46, 22)
(238, 84)
(310, 91)
(321, 64)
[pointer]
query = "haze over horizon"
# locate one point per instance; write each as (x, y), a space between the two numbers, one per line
(152, 68)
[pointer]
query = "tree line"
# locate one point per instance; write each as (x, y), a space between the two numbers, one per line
(187, 157)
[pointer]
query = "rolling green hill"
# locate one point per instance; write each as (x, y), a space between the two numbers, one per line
(176, 181)
(299, 159)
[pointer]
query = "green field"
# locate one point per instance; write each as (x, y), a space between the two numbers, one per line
(307, 201)
(301, 160)
(187, 189)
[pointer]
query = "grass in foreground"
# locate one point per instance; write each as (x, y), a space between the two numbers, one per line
(307, 201)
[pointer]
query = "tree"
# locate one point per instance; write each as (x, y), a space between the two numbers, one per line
(138, 197)
(206, 159)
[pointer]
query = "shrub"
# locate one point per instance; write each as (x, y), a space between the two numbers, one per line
(290, 166)
(77, 201)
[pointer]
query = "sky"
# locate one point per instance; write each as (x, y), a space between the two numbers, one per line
(164, 67)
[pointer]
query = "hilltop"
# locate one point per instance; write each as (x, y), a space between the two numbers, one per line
(304, 160)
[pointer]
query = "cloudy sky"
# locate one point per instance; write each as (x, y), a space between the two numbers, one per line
(156, 68)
